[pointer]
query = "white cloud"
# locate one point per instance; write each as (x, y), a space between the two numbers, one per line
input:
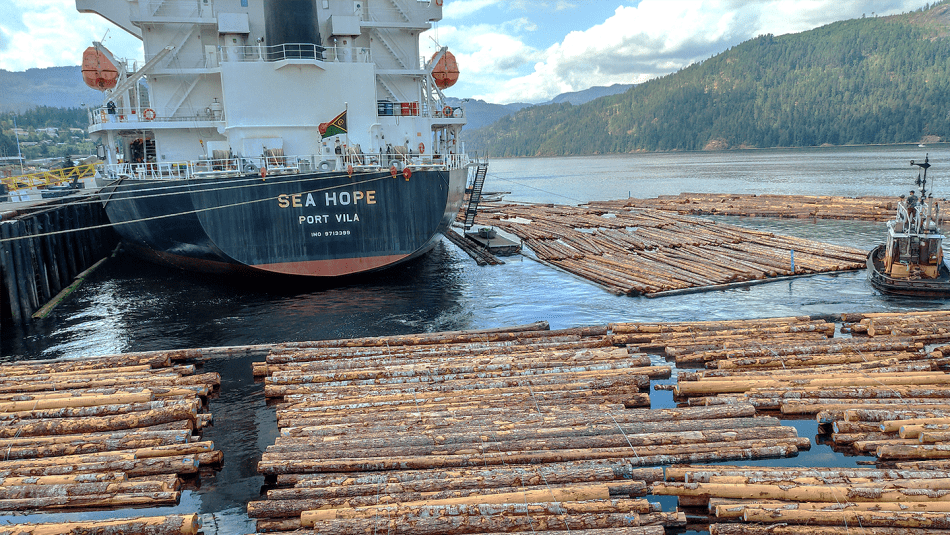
(458, 9)
(50, 33)
(641, 42)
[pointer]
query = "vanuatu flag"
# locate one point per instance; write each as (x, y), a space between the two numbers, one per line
(334, 127)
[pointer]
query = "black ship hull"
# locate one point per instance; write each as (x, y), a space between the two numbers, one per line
(324, 224)
(938, 287)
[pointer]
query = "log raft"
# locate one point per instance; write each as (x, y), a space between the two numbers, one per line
(869, 208)
(103, 433)
(540, 430)
(630, 250)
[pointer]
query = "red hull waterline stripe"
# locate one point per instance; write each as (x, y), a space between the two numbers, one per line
(332, 268)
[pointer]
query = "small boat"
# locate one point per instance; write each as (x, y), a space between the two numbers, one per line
(911, 262)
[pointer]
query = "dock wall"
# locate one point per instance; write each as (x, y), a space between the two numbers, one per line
(44, 247)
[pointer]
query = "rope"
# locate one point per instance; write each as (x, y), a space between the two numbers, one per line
(187, 212)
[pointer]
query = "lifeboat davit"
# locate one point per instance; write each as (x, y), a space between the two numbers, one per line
(446, 71)
(98, 71)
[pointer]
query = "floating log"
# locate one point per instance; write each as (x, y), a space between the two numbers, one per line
(781, 529)
(800, 493)
(159, 525)
(888, 519)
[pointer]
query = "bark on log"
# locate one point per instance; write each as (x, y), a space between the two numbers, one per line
(702, 474)
(159, 525)
(182, 464)
(72, 426)
(779, 529)
(801, 493)
(75, 401)
(850, 518)
(907, 452)
(111, 501)
(750, 448)
(607, 440)
(510, 475)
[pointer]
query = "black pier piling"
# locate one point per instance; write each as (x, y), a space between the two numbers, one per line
(43, 247)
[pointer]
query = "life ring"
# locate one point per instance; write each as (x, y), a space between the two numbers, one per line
(438, 2)
(393, 170)
(447, 111)
(422, 148)
(148, 114)
(263, 172)
(407, 174)
(349, 170)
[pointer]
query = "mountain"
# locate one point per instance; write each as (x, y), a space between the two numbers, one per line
(864, 81)
(582, 97)
(481, 113)
(58, 87)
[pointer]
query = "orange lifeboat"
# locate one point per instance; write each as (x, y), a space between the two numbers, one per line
(98, 71)
(446, 71)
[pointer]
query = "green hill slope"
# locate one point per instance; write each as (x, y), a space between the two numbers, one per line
(866, 81)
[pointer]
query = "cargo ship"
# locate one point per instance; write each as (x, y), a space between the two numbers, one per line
(911, 261)
(295, 137)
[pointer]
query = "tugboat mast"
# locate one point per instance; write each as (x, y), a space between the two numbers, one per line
(922, 182)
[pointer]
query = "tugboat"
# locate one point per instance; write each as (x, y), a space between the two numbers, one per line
(292, 137)
(911, 262)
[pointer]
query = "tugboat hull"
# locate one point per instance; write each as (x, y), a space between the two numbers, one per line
(937, 287)
(318, 224)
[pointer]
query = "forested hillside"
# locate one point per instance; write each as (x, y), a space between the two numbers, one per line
(866, 81)
(64, 132)
(60, 87)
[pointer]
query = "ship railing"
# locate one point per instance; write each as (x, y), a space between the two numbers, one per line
(278, 164)
(412, 161)
(291, 51)
(146, 170)
(144, 114)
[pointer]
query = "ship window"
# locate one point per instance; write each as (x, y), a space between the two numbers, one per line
(243, 3)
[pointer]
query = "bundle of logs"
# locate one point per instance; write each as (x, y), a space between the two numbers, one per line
(883, 392)
(810, 501)
(648, 252)
(103, 433)
(787, 206)
(929, 327)
(523, 429)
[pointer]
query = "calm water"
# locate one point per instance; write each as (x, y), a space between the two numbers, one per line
(131, 306)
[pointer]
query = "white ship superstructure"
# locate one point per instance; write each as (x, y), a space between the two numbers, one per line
(239, 78)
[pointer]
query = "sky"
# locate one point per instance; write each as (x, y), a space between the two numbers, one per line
(507, 50)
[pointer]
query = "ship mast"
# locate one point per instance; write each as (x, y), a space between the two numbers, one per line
(922, 182)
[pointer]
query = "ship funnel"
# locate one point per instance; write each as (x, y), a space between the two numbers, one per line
(289, 23)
